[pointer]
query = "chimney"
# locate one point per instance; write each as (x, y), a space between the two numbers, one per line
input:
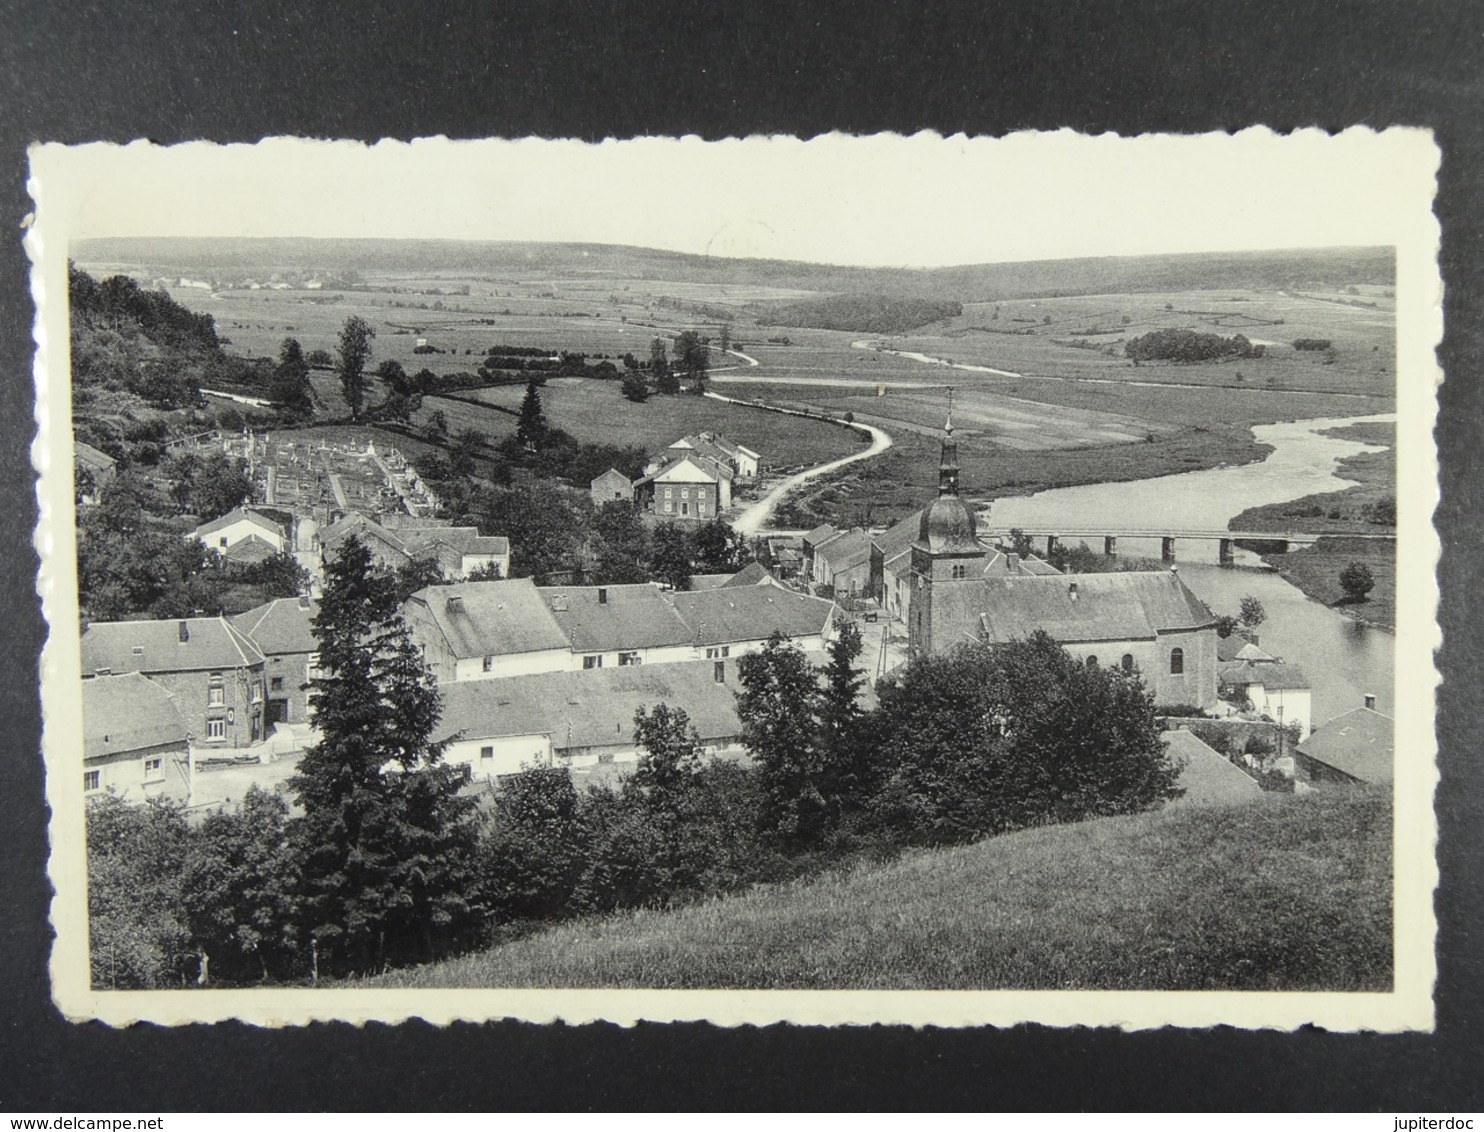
(602, 595)
(185, 631)
(1370, 700)
(1072, 591)
(1012, 563)
(303, 601)
(455, 603)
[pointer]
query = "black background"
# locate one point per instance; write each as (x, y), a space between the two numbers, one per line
(77, 72)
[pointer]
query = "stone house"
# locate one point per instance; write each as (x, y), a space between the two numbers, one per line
(689, 489)
(612, 486)
(1351, 749)
(283, 631)
(135, 743)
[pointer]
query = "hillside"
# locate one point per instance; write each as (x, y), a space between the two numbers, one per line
(1264, 270)
(1280, 893)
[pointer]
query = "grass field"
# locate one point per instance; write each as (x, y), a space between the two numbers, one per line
(1281, 893)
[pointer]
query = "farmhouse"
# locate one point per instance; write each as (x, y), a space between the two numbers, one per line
(581, 718)
(743, 462)
(135, 743)
(283, 632)
(619, 626)
(482, 630)
(1149, 622)
(214, 674)
(689, 489)
(239, 524)
(398, 540)
(1276, 690)
(735, 619)
(1357, 747)
(92, 471)
(842, 562)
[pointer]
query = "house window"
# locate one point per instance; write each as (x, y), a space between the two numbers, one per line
(216, 728)
(593, 661)
(960, 571)
(685, 493)
(154, 770)
(92, 780)
(486, 753)
(628, 658)
(1177, 662)
(1127, 663)
(488, 663)
(719, 672)
(216, 694)
(720, 651)
(669, 506)
(668, 492)
(685, 508)
(275, 683)
(701, 508)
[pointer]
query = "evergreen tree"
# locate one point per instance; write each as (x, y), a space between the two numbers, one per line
(530, 429)
(290, 386)
(355, 352)
(659, 368)
(846, 778)
(386, 843)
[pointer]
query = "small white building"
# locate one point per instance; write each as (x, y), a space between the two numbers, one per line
(238, 524)
(135, 741)
(1279, 691)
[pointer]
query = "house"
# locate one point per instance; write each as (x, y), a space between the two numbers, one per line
(809, 543)
(482, 630)
(1276, 690)
(1357, 747)
(398, 540)
(618, 626)
(753, 574)
(612, 486)
(248, 552)
(842, 562)
(387, 549)
(92, 471)
(135, 742)
(1239, 648)
(580, 718)
(213, 672)
(786, 552)
(743, 462)
(689, 489)
(733, 620)
(241, 523)
(283, 631)
(1208, 777)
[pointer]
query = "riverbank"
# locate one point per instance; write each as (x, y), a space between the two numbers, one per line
(1360, 510)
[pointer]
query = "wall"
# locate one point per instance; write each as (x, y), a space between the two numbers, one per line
(123, 773)
(234, 533)
(294, 670)
(1297, 705)
(243, 702)
(512, 754)
(512, 664)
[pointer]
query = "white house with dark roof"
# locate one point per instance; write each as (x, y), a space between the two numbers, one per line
(214, 673)
(733, 620)
(743, 462)
(240, 523)
(619, 626)
(483, 630)
(1274, 689)
(135, 742)
(581, 718)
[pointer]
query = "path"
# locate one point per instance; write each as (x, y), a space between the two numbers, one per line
(750, 522)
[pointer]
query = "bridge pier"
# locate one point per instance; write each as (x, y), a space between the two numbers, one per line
(1050, 545)
(1167, 549)
(1224, 551)
(1110, 545)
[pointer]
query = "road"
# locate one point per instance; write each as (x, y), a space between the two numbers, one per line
(752, 520)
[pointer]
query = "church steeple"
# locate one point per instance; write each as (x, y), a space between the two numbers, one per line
(948, 462)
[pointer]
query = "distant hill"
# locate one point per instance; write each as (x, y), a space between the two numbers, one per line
(1261, 270)
(1282, 892)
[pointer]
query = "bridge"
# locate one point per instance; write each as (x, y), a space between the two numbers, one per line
(1225, 539)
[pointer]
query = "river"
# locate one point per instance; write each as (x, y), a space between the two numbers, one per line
(1342, 658)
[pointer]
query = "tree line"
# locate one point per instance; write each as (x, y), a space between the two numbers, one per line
(1187, 346)
(387, 859)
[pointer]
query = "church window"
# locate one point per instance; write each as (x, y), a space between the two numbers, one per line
(1091, 662)
(1177, 662)
(1127, 663)
(960, 571)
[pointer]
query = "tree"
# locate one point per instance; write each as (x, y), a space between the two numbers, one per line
(622, 546)
(530, 428)
(694, 357)
(670, 560)
(237, 888)
(416, 574)
(991, 738)
(634, 387)
(137, 934)
(725, 336)
(719, 549)
(845, 779)
(1357, 581)
(545, 532)
(208, 485)
(463, 451)
(290, 387)
(436, 427)
(777, 707)
(385, 844)
(1251, 613)
(1021, 543)
(659, 367)
(672, 752)
(1226, 625)
(355, 352)
(536, 851)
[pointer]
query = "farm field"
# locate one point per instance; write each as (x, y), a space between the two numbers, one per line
(1284, 892)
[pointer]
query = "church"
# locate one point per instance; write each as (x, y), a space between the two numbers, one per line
(964, 589)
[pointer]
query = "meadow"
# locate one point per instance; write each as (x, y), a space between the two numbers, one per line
(1284, 892)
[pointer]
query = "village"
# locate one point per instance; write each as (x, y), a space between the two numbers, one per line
(199, 710)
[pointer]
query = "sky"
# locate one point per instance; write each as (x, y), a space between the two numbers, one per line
(881, 201)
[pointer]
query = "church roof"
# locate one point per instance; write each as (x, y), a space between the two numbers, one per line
(948, 526)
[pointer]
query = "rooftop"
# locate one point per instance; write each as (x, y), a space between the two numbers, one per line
(127, 713)
(1359, 743)
(239, 515)
(192, 644)
(750, 613)
(1271, 674)
(609, 618)
(1208, 777)
(492, 618)
(281, 626)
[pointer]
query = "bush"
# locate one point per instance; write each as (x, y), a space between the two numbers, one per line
(1312, 343)
(1357, 581)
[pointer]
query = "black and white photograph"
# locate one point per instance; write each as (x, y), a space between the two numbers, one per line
(925, 579)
